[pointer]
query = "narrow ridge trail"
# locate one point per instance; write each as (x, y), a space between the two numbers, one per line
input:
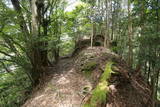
(67, 83)
(65, 89)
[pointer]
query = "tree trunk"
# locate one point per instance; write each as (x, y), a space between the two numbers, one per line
(93, 33)
(130, 53)
(35, 52)
(156, 71)
(106, 38)
(153, 84)
(112, 21)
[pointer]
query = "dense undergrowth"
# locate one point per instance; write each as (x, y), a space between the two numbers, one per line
(14, 88)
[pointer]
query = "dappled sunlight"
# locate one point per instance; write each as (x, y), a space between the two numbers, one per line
(79, 53)
(64, 90)
(63, 80)
(38, 97)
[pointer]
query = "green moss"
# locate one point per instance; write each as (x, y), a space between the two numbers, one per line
(107, 72)
(87, 105)
(99, 94)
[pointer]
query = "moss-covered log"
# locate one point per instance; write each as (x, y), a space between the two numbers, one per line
(98, 97)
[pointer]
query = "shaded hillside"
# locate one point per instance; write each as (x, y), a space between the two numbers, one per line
(77, 77)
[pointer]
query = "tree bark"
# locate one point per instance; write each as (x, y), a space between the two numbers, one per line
(130, 53)
(93, 33)
(106, 38)
(35, 53)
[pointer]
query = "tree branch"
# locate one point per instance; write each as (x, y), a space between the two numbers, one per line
(22, 21)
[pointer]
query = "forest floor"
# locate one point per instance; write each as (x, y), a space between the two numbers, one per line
(66, 84)
(65, 89)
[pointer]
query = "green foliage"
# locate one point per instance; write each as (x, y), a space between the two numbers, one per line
(66, 28)
(67, 47)
(77, 23)
(14, 88)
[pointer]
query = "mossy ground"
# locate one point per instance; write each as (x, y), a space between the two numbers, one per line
(99, 94)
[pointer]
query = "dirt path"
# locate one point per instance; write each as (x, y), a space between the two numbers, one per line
(66, 86)
(64, 90)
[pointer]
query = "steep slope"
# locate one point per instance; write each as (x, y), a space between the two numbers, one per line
(77, 77)
(126, 87)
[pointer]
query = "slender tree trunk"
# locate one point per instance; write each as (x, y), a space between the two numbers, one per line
(153, 84)
(57, 54)
(130, 53)
(93, 33)
(156, 74)
(44, 52)
(112, 21)
(106, 38)
(157, 82)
